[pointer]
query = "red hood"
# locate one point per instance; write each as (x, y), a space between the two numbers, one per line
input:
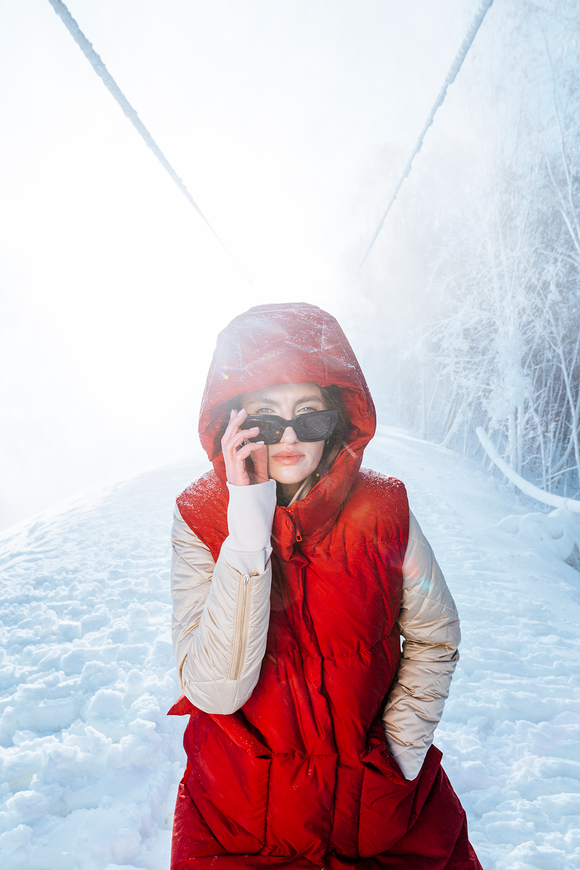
(289, 343)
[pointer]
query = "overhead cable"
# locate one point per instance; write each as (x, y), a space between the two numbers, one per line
(103, 73)
(449, 79)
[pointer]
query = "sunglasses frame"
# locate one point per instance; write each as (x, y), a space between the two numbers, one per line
(257, 420)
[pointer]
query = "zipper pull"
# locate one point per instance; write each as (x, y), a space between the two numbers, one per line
(291, 514)
(246, 578)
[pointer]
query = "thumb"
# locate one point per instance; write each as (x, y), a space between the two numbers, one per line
(260, 458)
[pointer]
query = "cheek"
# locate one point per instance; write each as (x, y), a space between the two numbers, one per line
(317, 449)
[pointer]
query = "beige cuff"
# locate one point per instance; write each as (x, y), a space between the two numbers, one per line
(250, 516)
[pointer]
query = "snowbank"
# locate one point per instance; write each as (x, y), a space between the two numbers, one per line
(89, 760)
(556, 533)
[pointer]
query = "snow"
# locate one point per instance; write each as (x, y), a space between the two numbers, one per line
(89, 761)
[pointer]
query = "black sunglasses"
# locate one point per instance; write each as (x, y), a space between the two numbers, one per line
(313, 426)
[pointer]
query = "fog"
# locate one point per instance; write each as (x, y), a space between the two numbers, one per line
(278, 117)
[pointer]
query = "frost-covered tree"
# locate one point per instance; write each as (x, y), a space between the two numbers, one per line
(488, 328)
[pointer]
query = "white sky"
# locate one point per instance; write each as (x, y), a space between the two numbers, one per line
(113, 290)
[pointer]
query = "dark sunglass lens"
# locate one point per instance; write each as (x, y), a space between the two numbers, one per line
(270, 428)
(314, 427)
(270, 431)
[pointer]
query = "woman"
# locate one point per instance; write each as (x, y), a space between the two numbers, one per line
(294, 575)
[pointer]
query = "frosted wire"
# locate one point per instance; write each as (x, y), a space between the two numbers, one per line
(449, 79)
(102, 71)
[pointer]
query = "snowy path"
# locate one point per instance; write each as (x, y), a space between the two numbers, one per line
(89, 761)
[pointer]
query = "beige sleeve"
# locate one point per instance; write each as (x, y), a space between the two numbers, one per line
(429, 624)
(221, 610)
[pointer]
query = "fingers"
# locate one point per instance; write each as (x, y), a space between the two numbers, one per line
(260, 460)
(234, 437)
(242, 453)
(233, 428)
(235, 452)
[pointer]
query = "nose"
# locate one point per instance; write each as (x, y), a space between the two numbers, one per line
(289, 436)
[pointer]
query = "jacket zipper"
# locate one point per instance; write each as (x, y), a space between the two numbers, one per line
(298, 536)
(241, 629)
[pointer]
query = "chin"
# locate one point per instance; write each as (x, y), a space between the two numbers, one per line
(294, 479)
(296, 473)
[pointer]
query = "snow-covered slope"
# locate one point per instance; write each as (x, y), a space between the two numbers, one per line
(89, 762)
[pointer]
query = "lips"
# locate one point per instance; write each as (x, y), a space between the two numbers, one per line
(287, 458)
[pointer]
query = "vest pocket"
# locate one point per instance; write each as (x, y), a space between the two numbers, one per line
(228, 781)
(389, 803)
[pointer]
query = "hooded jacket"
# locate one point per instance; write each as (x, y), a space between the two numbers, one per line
(296, 770)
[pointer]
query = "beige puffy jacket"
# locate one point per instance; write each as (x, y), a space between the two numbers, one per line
(219, 645)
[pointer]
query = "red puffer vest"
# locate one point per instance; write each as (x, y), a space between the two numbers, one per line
(301, 776)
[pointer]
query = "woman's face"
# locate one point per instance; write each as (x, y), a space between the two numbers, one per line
(290, 461)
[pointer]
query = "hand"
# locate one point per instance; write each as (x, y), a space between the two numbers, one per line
(235, 453)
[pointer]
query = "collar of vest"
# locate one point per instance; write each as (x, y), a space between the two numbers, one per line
(313, 517)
